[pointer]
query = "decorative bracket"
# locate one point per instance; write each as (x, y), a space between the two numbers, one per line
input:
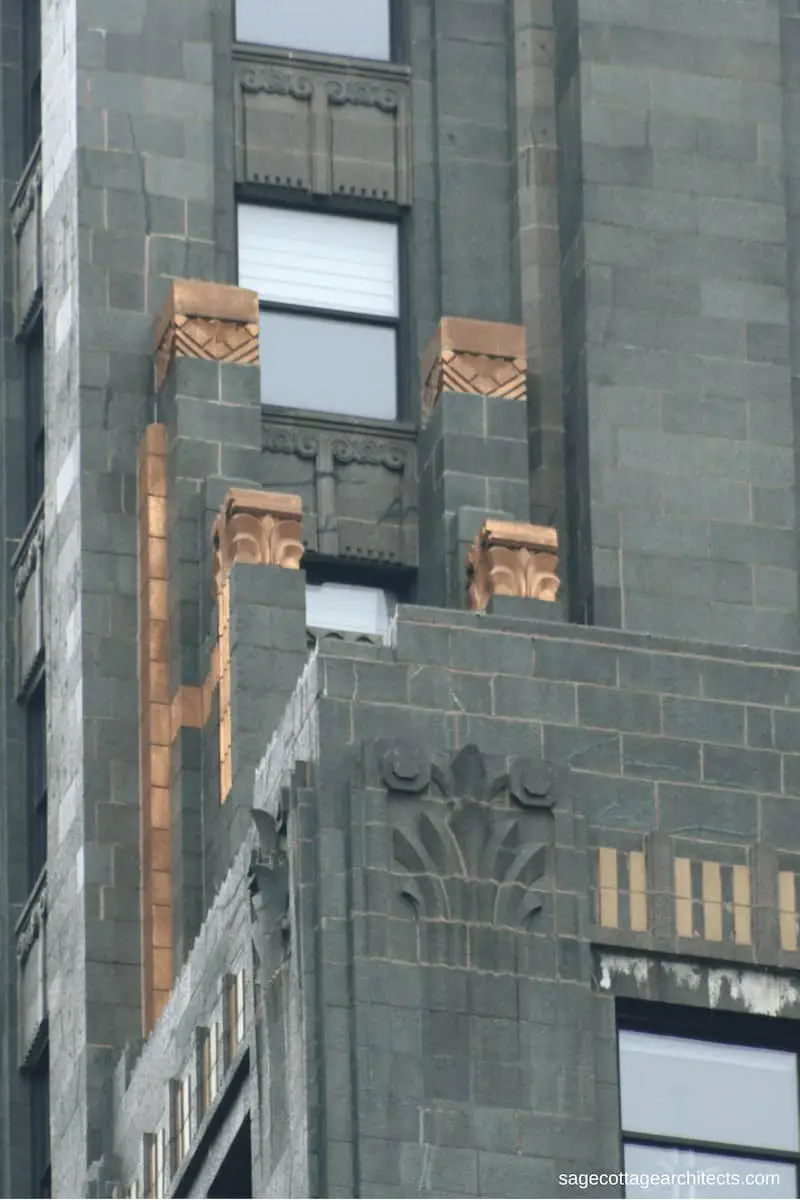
(509, 558)
(211, 321)
(482, 358)
(269, 877)
(257, 527)
(252, 527)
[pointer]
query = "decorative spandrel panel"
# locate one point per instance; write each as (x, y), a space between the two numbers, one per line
(314, 127)
(26, 224)
(358, 487)
(472, 852)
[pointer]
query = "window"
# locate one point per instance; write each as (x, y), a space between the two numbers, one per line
(180, 1103)
(40, 1127)
(692, 1108)
(31, 75)
(329, 292)
(36, 769)
(359, 28)
(347, 608)
(209, 1072)
(34, 416)
(157, 1165)
(234, 1015)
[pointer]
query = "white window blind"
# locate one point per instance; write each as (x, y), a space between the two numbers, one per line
(359, 28)
(318, 261)
(347, 609)
(708, 1091)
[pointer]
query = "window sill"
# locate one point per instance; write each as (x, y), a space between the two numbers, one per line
(337, 423)
(371, 68)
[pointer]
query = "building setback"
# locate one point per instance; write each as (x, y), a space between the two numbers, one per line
(400, 731)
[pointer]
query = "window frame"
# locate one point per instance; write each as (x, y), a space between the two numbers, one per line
(398, 41)
(725, 1029)
(355, 208)
(41, 1154)
(31, 76)
(37, 805)
(34, 424)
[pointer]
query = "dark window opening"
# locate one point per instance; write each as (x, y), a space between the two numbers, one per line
(40, 1127)
(235, 1176)
(34, 416)
(31, 75)
(36, 755)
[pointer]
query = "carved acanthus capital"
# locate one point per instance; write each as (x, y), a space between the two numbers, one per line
(212, 321)
(478, 357)
(509, 558)
(257, 527)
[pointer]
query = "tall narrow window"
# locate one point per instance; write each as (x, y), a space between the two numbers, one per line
(36, 755)
(358, 28)
(698, 1110)
(329, 293)
(34, 416)
(31, 74)
(40, 1127)
(233, 1015)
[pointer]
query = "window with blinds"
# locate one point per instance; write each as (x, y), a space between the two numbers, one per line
(330, 299)
(350, 28)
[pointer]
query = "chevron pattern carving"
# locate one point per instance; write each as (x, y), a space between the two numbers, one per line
(207, 321)
(477, 358)
(479, 374)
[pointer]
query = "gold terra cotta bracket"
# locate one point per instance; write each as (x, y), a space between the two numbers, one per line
(509, 558)
(484, 358)
(210, 321)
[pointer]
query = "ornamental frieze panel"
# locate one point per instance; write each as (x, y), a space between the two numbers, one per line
(471, 840)
(311, 127)
(359, 489)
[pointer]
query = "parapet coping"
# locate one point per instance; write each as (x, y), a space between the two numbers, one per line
(409, 614)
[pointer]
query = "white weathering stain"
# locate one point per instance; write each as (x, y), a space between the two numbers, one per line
(760, 994)
(618, 964)
(764, 995)
(685, 975)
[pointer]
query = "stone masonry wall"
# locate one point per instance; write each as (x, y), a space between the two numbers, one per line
(690, 419)
(13, 828)
(481, 1059)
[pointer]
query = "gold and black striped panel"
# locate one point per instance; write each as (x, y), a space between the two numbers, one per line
(713, 901)
(621, 891)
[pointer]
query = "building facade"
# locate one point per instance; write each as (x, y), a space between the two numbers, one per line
(399, 758)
